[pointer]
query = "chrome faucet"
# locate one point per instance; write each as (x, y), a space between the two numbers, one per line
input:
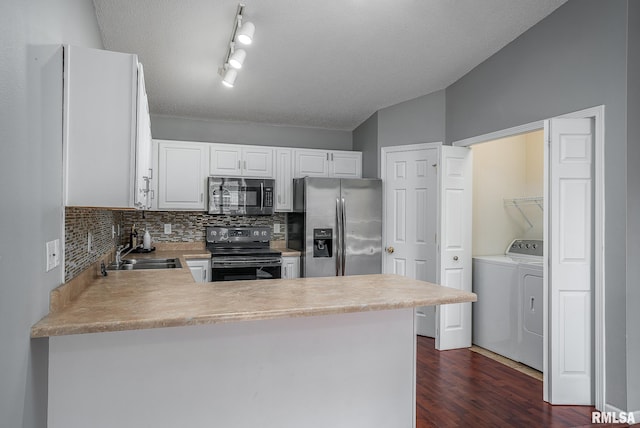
(120, 255)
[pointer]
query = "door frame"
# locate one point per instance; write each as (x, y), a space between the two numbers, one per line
(597, 114)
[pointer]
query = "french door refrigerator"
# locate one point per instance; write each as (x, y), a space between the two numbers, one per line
(337, 226)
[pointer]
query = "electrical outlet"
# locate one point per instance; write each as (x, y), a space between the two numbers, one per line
(167, 229)
(51, 255)
(89, 242)
(113, 231)
(276, 228)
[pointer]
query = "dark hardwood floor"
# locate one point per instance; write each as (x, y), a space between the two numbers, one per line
(461, 388)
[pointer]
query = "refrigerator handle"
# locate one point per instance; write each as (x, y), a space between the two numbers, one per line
(342, 236)
(338, 247)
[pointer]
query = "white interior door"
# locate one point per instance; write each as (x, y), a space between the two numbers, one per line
(570, 273)
(453, 325)
(410, 220)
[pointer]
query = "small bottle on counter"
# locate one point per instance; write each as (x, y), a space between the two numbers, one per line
(146, 241)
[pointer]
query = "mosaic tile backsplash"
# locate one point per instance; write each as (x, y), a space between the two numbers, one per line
(189, 226)
(186, 226)
(79, 222)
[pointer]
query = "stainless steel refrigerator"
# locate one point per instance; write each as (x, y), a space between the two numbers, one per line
(337, 226)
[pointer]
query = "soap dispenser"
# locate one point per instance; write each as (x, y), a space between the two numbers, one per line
(146, 240)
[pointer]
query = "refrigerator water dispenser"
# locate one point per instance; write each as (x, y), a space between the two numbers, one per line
(322, 242)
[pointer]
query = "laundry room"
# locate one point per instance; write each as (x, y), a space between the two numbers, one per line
(508, 206)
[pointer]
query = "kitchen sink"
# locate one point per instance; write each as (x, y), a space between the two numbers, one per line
(142, 264)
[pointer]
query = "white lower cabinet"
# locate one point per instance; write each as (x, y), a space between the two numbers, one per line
(200, 269)
(290, 267)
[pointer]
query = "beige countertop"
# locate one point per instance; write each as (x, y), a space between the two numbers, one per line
(132, 300)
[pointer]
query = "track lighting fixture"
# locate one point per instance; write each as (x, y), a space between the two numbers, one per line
(245, 35)
(237, 58)
(229, 78)
(233, 60)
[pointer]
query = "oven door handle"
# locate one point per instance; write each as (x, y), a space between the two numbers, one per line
(248, 264)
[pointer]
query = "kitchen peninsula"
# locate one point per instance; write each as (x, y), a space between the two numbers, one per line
(154, 348)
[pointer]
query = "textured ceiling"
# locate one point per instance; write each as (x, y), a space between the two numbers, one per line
(327, 64)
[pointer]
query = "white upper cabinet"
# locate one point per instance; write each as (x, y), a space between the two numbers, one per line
(237, 160)
(143, 154)
(345, 164)
(284, 180)
(311, 163)
(327, 163)
(100, 129)
(182, 175)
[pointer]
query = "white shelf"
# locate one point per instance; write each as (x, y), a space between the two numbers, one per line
(520, 202)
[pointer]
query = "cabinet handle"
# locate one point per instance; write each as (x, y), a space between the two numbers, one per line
(279, 199)
(331, 157)
(285, 272)
(239, 167)
(327, 155)
(245, 165)
(204, 275)
(201, 196)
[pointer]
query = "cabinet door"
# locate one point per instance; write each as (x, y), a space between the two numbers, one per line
(345, 164)
(311, 163)
(290, 267)
(225, 159)
(257, 162)
(182, 174)
(144, 172)
(284, 180)
(99, 127)
(200, 269)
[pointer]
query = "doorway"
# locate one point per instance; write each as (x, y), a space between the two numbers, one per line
(508, 258)
(595, 153)
(574, 238)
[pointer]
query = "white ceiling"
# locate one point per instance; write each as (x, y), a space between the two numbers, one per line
(313, 63)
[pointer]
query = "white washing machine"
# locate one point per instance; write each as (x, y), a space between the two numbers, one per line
(507, 318)
(495, 314)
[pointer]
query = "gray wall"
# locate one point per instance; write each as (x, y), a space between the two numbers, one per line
(573, 59)
(365, 140)
(217, 131)
(31, 171)
(420, 120)
(633, 206)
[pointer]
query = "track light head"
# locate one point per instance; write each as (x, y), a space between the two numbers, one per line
(245, 33)
(237, 58)
(229, 77)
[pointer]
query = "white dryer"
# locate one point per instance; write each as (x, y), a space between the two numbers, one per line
(530, 287)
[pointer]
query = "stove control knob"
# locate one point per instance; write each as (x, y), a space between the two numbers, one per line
(526, 245)
(256, 233)
(520, 245)
(264, 233)
(534, 246)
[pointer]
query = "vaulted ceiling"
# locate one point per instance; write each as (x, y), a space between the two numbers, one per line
(327, 64)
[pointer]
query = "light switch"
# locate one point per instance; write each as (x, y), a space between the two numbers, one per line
(167, 229)
(276, 228)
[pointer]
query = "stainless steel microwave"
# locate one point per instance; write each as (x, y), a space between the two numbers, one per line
(241, 196)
